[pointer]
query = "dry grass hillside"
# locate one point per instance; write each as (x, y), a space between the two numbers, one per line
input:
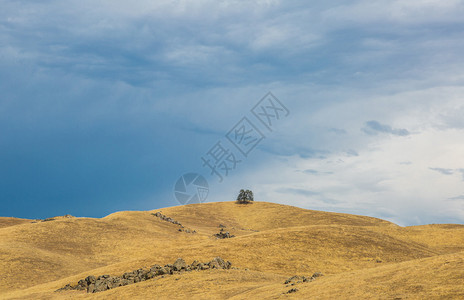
(360, 257)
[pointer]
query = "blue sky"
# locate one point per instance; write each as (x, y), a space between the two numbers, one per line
(104, 105)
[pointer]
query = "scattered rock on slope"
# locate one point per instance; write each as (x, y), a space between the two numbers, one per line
(294, 290)
(300, 279)
(167, 219)
(294, 280)
(171, 220)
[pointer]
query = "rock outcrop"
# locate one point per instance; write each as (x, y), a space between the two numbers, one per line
(53, 218)
(223, 234)
(93, 284)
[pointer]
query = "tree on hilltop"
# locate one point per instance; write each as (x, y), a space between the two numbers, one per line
(245, 197)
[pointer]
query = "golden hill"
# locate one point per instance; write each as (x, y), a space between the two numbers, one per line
(361, 257)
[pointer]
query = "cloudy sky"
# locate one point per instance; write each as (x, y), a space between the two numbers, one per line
(105, 104)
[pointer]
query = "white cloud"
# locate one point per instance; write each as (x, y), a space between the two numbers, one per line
(409, 12)
(392, 176)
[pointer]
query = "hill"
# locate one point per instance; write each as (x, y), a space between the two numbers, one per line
(359, 256)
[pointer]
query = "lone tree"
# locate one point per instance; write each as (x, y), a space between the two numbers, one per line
(245, 197)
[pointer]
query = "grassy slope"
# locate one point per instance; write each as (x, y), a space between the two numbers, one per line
(6, 222)
(273, 241)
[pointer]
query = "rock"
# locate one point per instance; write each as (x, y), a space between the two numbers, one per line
(294, 290)
(162, 271)
(90, 279)
(194, 265)
(109, 283)
(292, 279)
(124, 282)
(306, 279)
(149, 275)
(214, 264)
(81, 285)
(116, 281)
(65, 288)
(179, 264)
(101, 285)
(82, 282)
(221, 264)
(168, 268)
(91, 288)
(317, 274)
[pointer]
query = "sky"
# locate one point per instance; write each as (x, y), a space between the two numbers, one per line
(105, 105)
